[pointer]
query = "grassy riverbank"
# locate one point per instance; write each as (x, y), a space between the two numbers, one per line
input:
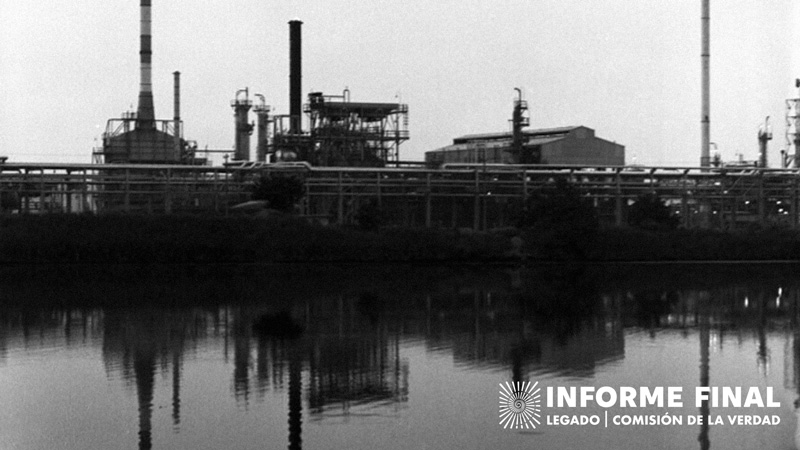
(176, 239)
(759, 244)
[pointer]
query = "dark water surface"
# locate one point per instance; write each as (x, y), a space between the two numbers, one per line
(388, 357)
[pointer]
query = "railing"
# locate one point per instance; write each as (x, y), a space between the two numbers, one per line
(466, 195)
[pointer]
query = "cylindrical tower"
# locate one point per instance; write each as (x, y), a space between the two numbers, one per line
(241, 107)
(295, 76)
(705, 56)
(764, 136)
(146, 113)
(262, 113)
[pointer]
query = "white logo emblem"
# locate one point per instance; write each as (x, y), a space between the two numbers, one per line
(520, 404)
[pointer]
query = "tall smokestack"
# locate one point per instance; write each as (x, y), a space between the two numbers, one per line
(177, 116)
(146, 114)
(295, 76)
(705, 121)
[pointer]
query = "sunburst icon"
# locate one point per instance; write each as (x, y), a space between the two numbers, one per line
(520, 404)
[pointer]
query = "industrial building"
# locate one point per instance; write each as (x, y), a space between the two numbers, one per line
(138, 138)
(339, 132)
(576, 145)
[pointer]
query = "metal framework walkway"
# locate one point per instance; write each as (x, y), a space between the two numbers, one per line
(472, 196)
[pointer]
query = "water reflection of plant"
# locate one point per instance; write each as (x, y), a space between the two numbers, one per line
(563, 319)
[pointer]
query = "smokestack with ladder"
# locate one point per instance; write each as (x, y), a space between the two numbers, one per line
(146, 113)
(295, 77)
(705, 56)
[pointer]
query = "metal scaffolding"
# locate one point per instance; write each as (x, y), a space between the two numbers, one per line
(460, 196)
(344, 133)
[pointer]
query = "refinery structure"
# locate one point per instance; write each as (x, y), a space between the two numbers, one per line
(348, 155)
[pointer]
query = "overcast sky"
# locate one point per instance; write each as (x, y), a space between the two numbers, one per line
(630, 69)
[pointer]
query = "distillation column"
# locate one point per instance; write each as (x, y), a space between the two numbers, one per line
(262, 114)
(241, 107)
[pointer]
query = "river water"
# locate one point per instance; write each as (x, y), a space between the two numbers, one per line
(391, 357)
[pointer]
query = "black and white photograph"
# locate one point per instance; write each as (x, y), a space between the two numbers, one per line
(516, 224)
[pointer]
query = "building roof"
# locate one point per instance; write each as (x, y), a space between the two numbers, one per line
(495, 143)
(552, 133)
(369, 111)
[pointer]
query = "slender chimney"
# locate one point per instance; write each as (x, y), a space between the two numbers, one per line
(295, 77)
(146, 114)
(177, 117)
(705, 121)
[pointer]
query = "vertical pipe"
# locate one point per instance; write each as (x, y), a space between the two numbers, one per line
(476, 219)
(618, 219)
(168, 193)
(340, 197)
(705, 160)
(378, 187)
(146, 112)
(428, 201)
(295, 76)
(127, 197)
(42, 195)
(177, 115)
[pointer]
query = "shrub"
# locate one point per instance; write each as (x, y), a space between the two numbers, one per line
(282, 192)
(369, 216)
(649, 212)
(559, 223)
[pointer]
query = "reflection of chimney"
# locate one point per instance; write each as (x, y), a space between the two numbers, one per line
(705, 345)
(176, 389)
(241, 359)
(144, 366)
(295, 77)
(146, 114)
(295, 400)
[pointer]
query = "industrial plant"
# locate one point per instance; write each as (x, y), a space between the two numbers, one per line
(347, 154)
(554, 146)
(576, 146)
